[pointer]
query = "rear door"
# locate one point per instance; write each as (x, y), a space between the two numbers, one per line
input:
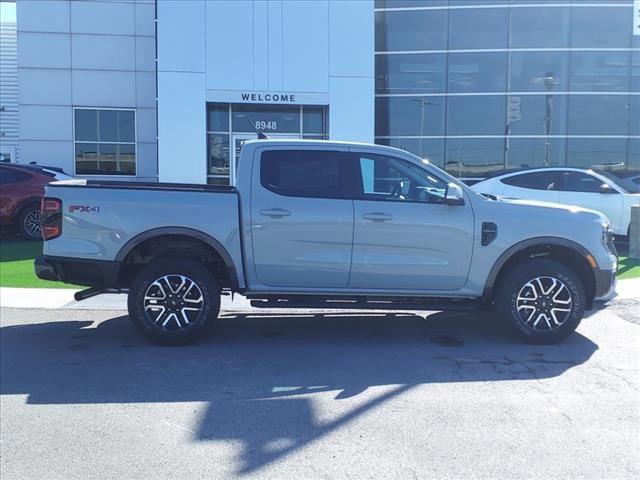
(540, 185)
(406, 237)
(301, 218)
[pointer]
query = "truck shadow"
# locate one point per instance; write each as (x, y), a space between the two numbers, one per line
(261, 372)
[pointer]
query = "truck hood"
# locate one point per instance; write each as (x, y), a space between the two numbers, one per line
(549, 209)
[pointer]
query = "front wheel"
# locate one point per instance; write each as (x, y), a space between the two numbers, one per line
(542, 300)
(174, 301)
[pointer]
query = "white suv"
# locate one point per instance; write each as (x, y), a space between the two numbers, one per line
(569, 186)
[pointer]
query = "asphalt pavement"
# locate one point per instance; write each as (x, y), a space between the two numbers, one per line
(304, 396)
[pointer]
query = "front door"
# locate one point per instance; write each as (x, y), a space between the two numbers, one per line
(405, 236)
(301, 218)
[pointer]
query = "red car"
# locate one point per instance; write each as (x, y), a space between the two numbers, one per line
(21, 188)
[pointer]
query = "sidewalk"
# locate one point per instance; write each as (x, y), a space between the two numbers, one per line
(54, 298)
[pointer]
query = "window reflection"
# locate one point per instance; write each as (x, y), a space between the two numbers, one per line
(410, 116)
(477, 72)
(411, 30)
(600, 71)
(474, 157)
(476, 115)
(534, 152)
(415, 73)
(550, 82)
(539, 71)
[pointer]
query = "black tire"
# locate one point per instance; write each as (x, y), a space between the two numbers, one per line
(547, 319)
(176, 319)
(26, 227)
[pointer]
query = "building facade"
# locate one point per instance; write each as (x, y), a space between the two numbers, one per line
(169, 90)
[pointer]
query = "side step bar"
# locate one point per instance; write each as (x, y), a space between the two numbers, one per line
(461, 305)
(93, 291)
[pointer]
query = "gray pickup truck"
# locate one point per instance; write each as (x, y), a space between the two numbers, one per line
(318, 224)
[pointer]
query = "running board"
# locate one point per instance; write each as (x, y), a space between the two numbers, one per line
(460, 305)
(93, 291)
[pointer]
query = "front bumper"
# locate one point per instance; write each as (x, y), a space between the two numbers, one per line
(605, 283)
(79, 271)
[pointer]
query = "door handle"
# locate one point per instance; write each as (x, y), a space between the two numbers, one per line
(275, 213)
(377, 217)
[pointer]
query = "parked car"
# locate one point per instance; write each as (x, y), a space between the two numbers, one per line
(599, 191)
(21, 189)
(318, 224)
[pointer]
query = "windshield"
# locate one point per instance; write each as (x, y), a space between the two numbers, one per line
(628, 180)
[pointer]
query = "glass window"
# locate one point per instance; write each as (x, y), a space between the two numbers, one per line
(598, 115)
(539, 27)
(474, 157)
(409, 116)
(601, 27)
(431, 149)
(477, 72)
(534, 180)
(218, 153)
(539, 71)
(411, 30)
(313, 120)
(413, 73)
(389, 178)
(634, 114)
(105, 142)
(535, 152)
(9, 175)
(218, 117)
(598, 153)
(409, 3)
(600, 71)
(478, 28)
(537, 114)
(476, 115)
(580, 182)
(635, 68)
(304, 173)
(266, 118)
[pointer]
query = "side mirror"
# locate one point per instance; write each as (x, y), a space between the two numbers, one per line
(454, 195)
(605, 188)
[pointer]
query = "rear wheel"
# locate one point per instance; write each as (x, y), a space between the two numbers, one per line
(543, 301)
(29, 224)
(174, 301)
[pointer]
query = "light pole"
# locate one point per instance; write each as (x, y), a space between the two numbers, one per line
(549, 83)
(424, 101)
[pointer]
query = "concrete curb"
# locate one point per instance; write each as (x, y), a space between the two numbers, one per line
(62, 299)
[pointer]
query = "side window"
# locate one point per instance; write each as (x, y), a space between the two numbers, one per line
(304, 173)
(534, 180)
(580, 182)
(9, 176)
(390, 178)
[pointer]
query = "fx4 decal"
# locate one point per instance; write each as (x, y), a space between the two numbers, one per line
(83, 209)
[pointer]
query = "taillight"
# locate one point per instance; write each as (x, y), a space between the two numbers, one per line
(51, 217)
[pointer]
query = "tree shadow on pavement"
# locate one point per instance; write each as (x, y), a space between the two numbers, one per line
(260, 372)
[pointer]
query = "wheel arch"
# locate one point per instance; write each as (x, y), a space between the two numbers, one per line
(565, 251)
(157, 234)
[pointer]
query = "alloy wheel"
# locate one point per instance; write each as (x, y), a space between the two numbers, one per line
(544, 303)
(173, 302)
(32, 224)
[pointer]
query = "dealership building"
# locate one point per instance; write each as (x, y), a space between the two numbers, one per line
(168, 90)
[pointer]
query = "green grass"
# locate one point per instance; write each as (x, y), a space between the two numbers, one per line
(16, 265)
(628, 268)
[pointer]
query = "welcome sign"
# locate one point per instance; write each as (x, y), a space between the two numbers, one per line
(266, 97)
(636, 17)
